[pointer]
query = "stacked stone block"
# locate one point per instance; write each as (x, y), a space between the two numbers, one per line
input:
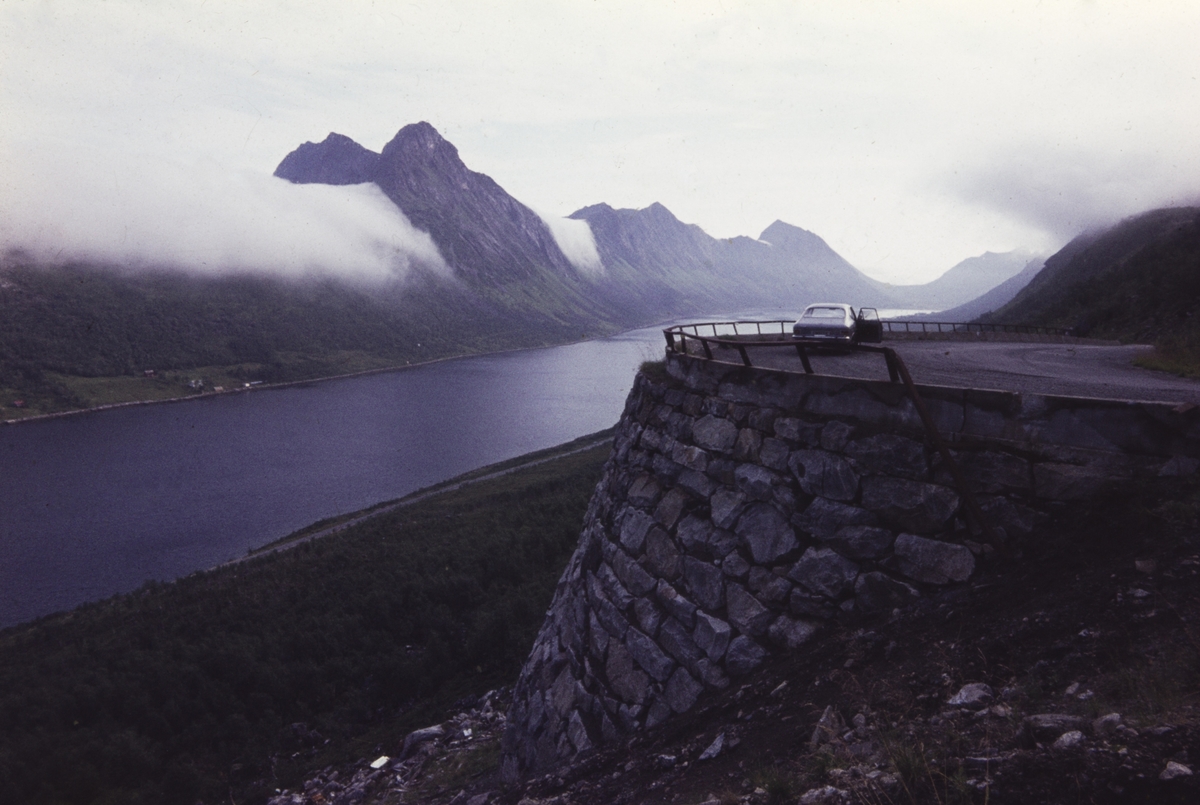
(743, 509)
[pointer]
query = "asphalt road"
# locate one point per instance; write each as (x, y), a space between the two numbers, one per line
(1074, 370)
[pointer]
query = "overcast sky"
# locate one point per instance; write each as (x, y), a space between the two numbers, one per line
(908, 135)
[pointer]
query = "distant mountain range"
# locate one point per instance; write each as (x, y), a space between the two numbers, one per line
(514, 279)
(990, 300)
(967, 281)
(652, 265)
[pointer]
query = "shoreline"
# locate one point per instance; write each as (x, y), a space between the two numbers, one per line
(208, 395)
(347, 375)
(479, 475)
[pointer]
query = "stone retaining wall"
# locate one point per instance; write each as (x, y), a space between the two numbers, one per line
(743, 508)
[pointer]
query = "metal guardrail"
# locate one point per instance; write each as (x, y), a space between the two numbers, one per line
(967, 327)
(677, 341)
(742, 334)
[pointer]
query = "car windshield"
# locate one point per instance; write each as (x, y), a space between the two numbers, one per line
(824, 313)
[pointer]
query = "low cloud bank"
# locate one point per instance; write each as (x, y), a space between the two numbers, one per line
(576, 241)
(202, 218)
(1065, 192)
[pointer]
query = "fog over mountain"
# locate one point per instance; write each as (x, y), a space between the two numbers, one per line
(623, 265)
(338, 209)
(203, 218)
(1136, 280)
(1047, 117)
(335, 208)
(575, 239)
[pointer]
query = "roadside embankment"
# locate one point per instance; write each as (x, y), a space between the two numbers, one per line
(745, 509)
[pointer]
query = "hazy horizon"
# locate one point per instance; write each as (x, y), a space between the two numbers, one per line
(908, 137)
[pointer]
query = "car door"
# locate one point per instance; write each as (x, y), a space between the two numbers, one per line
(869, 328)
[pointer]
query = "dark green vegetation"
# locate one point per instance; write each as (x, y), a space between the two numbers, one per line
(1138, 282)
(193, 690)
(77, 336)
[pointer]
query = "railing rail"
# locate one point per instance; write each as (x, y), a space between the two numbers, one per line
(722, 332)
(968, 327)
(677, 341)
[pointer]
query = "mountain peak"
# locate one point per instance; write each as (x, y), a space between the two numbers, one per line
(782, 232)
(420, 137)
(335, 160)
(655, 211)
(486, 235)
(592, 210)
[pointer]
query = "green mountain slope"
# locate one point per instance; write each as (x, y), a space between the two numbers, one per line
(83, 335)
(1138, 281)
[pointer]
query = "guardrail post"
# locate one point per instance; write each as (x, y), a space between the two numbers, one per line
(803, 353)
(889, 357)
(745, 357)
(968, 496)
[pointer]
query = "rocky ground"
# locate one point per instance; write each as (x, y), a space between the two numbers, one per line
(1068, 671)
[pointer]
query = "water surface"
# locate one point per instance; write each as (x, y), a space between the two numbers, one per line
(96, 504)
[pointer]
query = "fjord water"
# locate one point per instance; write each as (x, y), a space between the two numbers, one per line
(96, 504)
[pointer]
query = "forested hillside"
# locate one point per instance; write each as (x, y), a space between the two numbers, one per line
(1138, 281)
(82, 335)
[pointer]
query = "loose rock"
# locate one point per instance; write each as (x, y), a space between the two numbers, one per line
(974, 696)
(1174, 771)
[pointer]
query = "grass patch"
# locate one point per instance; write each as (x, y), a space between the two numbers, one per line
(1182, 360)
(1152, 686)
(925, 778)
(456, 771)
(779, 785)
(654, 370)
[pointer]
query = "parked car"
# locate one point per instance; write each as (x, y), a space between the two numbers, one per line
(837, 322)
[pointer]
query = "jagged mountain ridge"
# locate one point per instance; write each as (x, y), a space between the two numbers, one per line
(499, 247)
(785, 267)
(336, 160)
(511, 285)
(477, 225)
(656, 266)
